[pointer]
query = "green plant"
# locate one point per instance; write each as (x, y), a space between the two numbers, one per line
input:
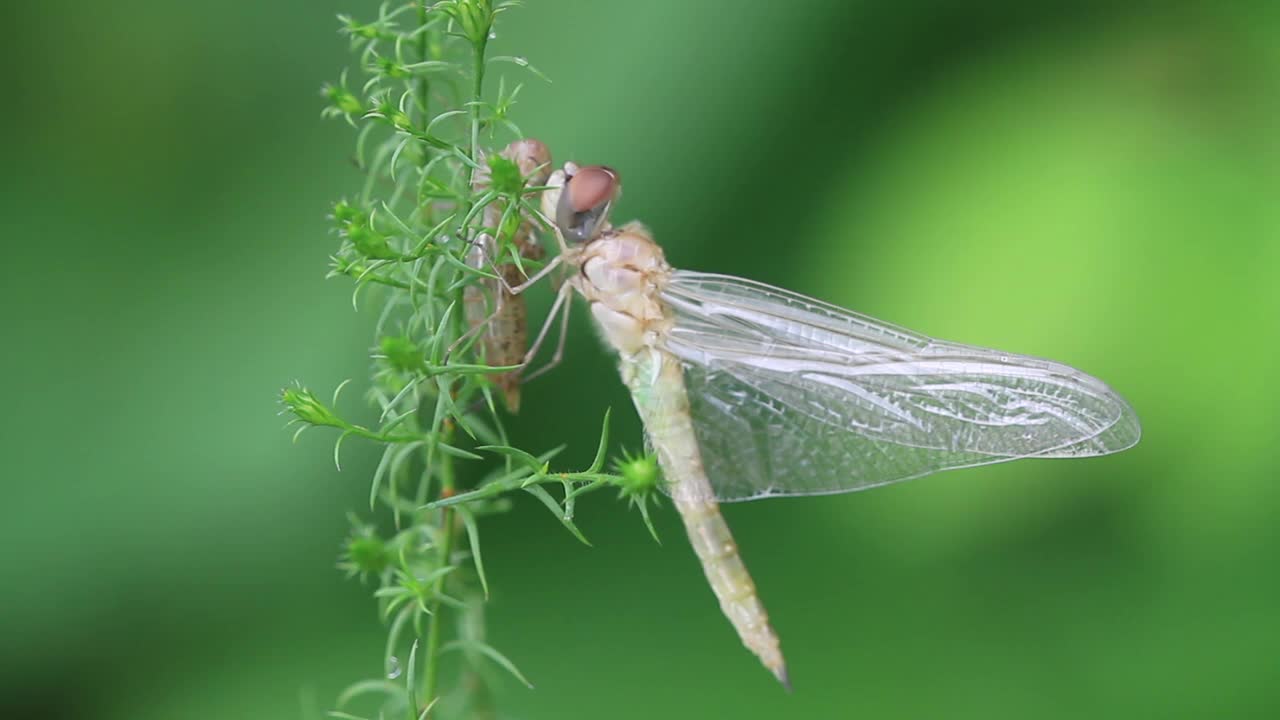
(422, 117)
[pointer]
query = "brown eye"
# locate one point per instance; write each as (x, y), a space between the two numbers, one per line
(585, 202)
(592, 186)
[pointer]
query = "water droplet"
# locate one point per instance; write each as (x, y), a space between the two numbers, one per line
(493, 35)
(1004, 358)
(393, 667)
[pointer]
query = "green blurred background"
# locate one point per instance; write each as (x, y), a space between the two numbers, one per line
(1094, 182)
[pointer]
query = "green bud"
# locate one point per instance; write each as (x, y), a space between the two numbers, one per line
(401, 120)
(504, 175)
(343, 100)
(370, 242)
(402, 354)
(388, 111)
(391, 69)
(639, 474)
(364, 553)
(346, 215)
(474, 17)
(307, 407)
(365, 30)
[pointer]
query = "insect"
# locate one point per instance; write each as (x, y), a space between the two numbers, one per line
(504, 324)
(747, 391)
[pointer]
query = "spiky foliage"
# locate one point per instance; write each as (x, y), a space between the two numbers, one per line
(417, 100)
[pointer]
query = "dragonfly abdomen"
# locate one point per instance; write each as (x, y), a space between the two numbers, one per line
(664, 408)
(732, 584)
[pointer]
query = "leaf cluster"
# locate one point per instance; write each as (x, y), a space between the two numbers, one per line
(416, 99)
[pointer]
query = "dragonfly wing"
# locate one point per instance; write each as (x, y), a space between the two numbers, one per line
(792, 396)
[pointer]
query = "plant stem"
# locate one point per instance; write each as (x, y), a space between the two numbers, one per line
(476, 94)
(430, 679)
(424, 46)
(430, 675)
(424, 87)
(477, 89)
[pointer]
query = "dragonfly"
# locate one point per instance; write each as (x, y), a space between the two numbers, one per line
(499, 315)
(748, 391)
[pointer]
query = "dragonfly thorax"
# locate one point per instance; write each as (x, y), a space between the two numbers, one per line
(623, 272)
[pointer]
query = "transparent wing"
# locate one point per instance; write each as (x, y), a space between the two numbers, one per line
(793, 396)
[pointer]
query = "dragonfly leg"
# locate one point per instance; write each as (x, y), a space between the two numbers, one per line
(561, 305)
(484, 247)
(533, 279)
(555, 229)
(550, 266)
(558, 355)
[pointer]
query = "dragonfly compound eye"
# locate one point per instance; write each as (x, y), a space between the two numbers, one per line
(585, 202)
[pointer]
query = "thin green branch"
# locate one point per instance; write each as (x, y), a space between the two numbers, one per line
(430, 676)
(416, 85)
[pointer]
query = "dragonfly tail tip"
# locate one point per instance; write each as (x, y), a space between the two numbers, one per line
(781, 673)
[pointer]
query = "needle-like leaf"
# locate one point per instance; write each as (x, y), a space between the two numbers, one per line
(473, 535)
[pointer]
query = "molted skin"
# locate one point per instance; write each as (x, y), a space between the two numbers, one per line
(506, 338)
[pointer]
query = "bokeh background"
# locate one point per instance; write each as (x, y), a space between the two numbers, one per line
(1093, 182)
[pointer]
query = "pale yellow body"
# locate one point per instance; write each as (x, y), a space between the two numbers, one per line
(622, 275)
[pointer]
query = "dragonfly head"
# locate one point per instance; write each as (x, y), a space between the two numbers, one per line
(582, 210)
